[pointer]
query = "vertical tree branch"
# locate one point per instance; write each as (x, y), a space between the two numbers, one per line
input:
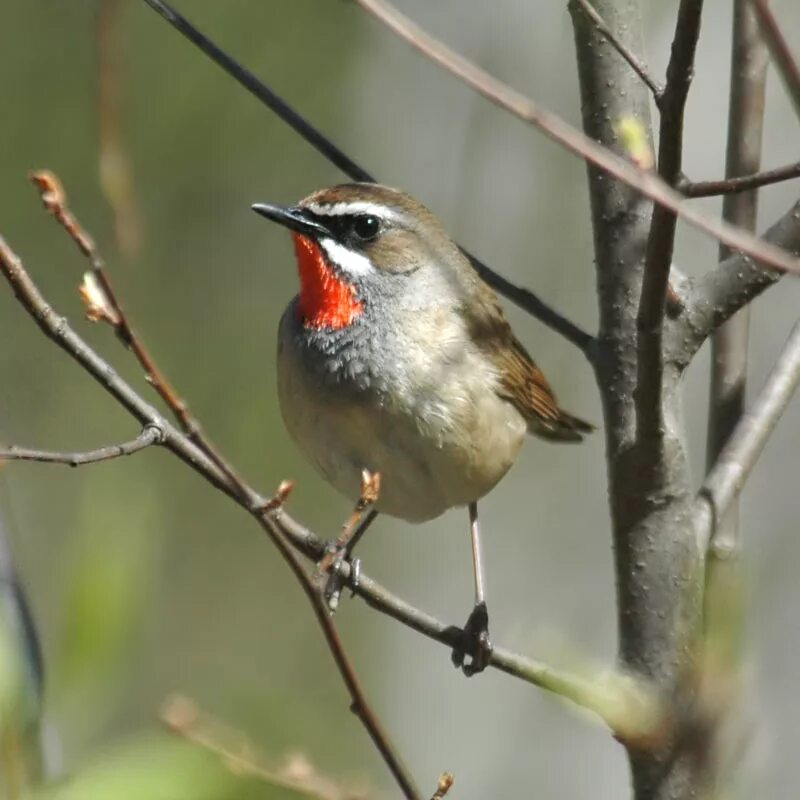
(730, 341)
(661, 241)
(729, 345)
(657, 561)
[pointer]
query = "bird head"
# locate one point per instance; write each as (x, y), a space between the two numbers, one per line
(360, 243)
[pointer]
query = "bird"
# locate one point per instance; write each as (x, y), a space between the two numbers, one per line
(396, 358)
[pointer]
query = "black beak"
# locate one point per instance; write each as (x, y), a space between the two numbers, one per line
(296, 219)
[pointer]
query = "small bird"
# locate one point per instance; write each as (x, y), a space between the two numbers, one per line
(396, 358)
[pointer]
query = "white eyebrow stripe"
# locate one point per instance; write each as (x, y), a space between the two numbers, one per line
(353, 207)
(348, 261)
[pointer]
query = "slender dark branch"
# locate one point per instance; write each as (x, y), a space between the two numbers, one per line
(726, 478)
(636, 63)
(779, 49)
(263, 93)
(743, 183)
(528, 301)
(722, 291)
(149, 436)
(626, 707)
(661, 241)
(520, 296)
(729, 346)
(571, 139)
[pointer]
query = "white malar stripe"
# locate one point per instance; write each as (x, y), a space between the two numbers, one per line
(354, 207)
(345, 259)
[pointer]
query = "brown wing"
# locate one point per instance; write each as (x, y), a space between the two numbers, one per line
(522, 383)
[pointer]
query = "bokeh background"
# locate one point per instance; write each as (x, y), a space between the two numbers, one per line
(145, 582)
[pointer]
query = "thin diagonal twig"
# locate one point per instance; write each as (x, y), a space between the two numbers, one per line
(786, 63)
(727, 477)
(742, 183)
(636, 63)
(149, 436)
(573, 140)
(519, 295)
(184, 718)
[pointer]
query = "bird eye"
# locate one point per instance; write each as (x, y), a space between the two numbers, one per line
(366, 227)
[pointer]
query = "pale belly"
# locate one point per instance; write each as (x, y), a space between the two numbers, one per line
(435, 449)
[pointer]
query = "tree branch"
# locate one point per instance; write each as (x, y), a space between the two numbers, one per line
(636, 63)
(721, 292)
(150, 435)
(726, 478)
(730, 341)
(661, 241)
(650, 496)
(520, 296)
(743, 183)
(779, 50)
(573, 140)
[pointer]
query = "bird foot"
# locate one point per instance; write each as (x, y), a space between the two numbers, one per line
(474, 643)
(331, 565)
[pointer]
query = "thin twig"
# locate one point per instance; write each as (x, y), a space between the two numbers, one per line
(183, 718)
(520, 296)
(743, 183)
(787, 65)
(573, 140)
(726, 478)
(661, 240)
(626, 706)
(730, 341)
(636, 63)
(149, 436)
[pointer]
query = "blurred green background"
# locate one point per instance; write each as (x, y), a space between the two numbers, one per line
(145, 582)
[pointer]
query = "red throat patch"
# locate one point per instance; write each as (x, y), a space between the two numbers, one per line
(326, 301)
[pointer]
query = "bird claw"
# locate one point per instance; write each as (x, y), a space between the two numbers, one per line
(474, 643)
(333, 561)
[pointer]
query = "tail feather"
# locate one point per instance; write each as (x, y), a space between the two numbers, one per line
(564, 428)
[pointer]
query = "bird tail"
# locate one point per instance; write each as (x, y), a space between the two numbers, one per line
(563, 428)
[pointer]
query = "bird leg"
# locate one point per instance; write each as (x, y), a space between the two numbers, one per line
(475, 639)
(339, 551)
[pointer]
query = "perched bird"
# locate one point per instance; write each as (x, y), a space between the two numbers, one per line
(396, 358)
